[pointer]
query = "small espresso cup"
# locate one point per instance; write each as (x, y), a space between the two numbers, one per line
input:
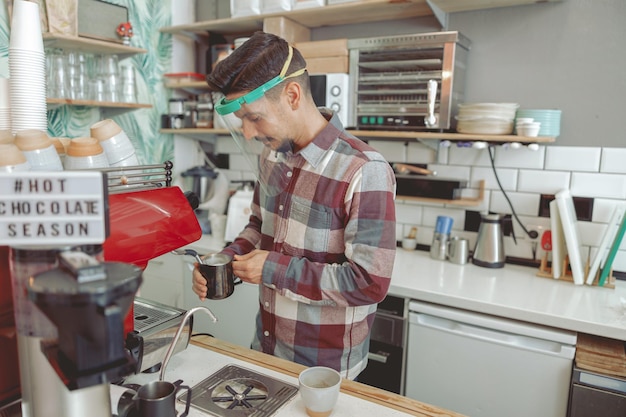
(319, 389)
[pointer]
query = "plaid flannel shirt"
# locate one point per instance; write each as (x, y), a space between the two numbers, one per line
(331, 233)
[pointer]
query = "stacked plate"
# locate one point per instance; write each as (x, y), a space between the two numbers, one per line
(486, 118)
(550, 120)
(27, 65)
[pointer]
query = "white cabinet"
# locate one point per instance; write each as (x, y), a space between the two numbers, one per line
(487, 366)
(163, 280)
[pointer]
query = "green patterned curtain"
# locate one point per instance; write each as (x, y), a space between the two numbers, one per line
(141, 125)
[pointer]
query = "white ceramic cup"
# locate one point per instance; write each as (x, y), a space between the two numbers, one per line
(39, 150)
(12, 158)
(319, 389)
(409, 244)
(85, 153)
(115, 142)
(129, 161)
(6, 136)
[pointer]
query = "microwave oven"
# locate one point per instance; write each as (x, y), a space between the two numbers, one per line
(333, 91)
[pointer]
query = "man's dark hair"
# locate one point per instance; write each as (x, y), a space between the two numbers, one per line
(255, 62)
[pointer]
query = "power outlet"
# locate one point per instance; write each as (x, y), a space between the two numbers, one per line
(539, 229)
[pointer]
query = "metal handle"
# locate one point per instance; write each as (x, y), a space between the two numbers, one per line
(377, 357)
(431, 120)
(497, 337)
(189, 252)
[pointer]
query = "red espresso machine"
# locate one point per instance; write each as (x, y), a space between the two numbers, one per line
(147, 217)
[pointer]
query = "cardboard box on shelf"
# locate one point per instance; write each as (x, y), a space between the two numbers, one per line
(323, 49)
(287, 29)
(56, 16)
(99, 20)
(327, 65)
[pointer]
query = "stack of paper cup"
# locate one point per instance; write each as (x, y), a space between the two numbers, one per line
(116, 144)
(12, 158)
(5, 107)
(27, 65)
(38, 150)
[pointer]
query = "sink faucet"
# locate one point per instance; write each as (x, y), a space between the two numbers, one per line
(170, 350)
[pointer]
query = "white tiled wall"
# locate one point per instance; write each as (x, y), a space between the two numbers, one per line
(524, 174)
(599, 173)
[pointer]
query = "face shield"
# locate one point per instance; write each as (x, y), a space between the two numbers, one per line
(264, 155)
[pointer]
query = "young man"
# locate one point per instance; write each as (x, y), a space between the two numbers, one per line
(321, 238)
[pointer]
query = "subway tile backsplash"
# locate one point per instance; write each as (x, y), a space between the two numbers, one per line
(596, 173)
(545, 182)
(598, 185)
(573, 158)
(612, 160)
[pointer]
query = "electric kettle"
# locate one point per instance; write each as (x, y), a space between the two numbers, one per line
(489, 249)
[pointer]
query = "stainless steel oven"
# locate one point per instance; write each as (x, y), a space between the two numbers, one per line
(385, 368)
(408, 82)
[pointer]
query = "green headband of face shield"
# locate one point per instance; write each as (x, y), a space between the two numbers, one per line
(226, 106)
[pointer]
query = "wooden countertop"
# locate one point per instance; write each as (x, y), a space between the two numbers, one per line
(362, 391)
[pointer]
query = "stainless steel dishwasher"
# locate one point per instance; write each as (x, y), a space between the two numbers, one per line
(487, 366)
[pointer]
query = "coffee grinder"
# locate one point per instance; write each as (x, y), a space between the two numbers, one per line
(69, 303)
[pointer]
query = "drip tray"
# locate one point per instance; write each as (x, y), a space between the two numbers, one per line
(235, 391)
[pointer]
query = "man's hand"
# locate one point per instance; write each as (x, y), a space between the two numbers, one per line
(198, 284)
(249, 267)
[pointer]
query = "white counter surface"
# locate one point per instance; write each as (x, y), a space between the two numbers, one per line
(513, 292)
(196, 363)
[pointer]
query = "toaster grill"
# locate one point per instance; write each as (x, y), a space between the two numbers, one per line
(390, 77)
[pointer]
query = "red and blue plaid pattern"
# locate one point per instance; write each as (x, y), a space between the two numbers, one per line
(331, 237)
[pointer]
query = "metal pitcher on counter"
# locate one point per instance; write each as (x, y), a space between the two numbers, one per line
(489, 249)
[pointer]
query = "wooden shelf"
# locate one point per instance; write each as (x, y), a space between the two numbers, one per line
(465, 201)
(451, 6)
(55, 102)
(330, 15)
(398, 135)
(343, 14)
(196, 131)
(193, 87)
(77, 43)
(458, 137)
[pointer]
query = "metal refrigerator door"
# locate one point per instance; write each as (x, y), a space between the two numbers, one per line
(484, 366)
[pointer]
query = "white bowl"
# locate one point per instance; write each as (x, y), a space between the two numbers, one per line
(529, 130)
